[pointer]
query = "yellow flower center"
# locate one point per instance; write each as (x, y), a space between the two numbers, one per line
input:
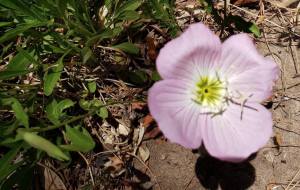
(209, 92)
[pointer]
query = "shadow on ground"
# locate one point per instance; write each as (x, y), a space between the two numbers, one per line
(213, 173)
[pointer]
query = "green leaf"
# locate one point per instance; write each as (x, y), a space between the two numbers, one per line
(24, 7)
(64, 104)
(209, 7)
(62, 7)
(9, 74)
(85, 54)
(91, 86)
(11, 128)
(52, 77)
(26, 180)
(155, 76)
(102, 112)
(138, 77)
(104, 33)
(243, 25)
(51, 103)
(84, 142)
(6, 160)
(127, 15)
(6, 24)
(129, 5)
(52, 49)
(30, 102)
(127, 47)
(117, 31)
(27, 55)
(19, 62)
(15, 177)
(14, 32)
(18, 109)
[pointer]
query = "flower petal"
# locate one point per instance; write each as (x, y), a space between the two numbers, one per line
(178, 117)
(235, 135)
(192, 53)
(248, 73)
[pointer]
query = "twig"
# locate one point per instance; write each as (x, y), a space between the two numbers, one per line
(189, 182)
(88, 165)
(292, 180)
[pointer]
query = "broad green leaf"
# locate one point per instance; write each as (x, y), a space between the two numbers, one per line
(127, 47)
(127, 15)
(9, 74)
(117, 31)
(102, 112)
(84, 104)
(138, 77)
(30, 102)
(18, 109)
(85, 54)
(11, 169)
(26, 180)
(15, 177)
(85, 143)
(129, 5)
(52, 49)
(91, 86)
(51, 104)
(6, 24)
(52, 77)
(19, 62)
(64, 104)
(155, 76)
(27, 55)
(41, 143)
(243, 25)
(104, 33)
(62, 7)
(20, 29)
(6, 160)
(24, 7)
(11, 128)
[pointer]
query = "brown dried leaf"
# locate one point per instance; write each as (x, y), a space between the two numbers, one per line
(138, 106)
(148, 120)
(116, 163)
(151, 47)
(161, 142)
(241, 2)
(153, 133)
(278, 139)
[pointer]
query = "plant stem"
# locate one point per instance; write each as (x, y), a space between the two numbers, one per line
(80, 117)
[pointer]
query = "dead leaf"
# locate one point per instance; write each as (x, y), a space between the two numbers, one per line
(144, 154)
(148, 120)
(161, 142)
(49, 179)
(153, 133)
(241, 2)
(270, 186)
(123, 130)
(151, 47)
(138, 106)
(270, 99)
(116, 163)
(278, 139)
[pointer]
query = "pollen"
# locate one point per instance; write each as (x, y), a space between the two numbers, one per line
(209, 92)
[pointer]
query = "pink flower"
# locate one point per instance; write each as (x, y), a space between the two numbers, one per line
(211, 91)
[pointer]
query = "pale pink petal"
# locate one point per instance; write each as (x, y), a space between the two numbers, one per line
(170, 104)
(234, 135)
(248, 73)
(190, 55)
